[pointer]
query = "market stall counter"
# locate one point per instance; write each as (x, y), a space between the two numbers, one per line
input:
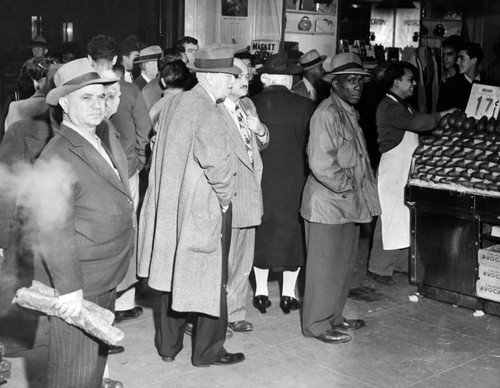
(453, 193)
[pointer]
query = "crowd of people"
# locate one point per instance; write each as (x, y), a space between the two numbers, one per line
(190, 167)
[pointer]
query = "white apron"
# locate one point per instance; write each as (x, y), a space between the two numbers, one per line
(393, 173)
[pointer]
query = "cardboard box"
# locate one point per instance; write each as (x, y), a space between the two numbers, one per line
(488, 290)
(490, 256)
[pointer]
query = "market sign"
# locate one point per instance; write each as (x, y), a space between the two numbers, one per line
(484, 100)
(268, 47)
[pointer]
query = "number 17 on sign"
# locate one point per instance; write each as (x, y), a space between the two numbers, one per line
(484, 100)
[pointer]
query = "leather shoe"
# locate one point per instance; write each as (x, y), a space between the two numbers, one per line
(128, 314)
(115, 349)
(168, 358)
(261, 302)
(229, 359)
(108, 383)
(188, 330)
(350, 324)
(381, 279)
(332, 336)
(240, 326)
(288, 303)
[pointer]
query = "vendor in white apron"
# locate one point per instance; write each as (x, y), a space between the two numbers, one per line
(397, 127)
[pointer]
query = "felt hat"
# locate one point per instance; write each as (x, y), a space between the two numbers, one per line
(279, 64)
(311, 59)
(151, 53)
(39, 41)
(215, 58)
(72, 76)
(345, 63)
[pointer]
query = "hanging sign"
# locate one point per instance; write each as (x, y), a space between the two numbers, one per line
(484, 100)
(264, 46)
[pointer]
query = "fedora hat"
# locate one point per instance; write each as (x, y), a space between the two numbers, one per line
(151, 53)
(345, 63)
(72, 76)
(279, 64)
(214, 58)
(311, 59)
(39, 41)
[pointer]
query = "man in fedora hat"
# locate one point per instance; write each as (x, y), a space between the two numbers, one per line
(279, 240)
(187, 209)
(148, 63)
(39, 47)
(340, 193)
(86, 254)
(312, 66)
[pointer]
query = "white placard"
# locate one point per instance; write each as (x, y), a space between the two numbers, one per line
(484, 100)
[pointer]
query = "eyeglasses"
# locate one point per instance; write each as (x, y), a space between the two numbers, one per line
(241, 76)
(230, 77)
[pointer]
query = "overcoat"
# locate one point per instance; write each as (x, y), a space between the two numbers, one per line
(279, 240)
(180, 223)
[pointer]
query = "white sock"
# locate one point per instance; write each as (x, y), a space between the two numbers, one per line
(261, 281)
(289, 281)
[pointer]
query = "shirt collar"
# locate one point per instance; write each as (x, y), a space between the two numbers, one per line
(146, 77)
(230, 104)
(308, 85)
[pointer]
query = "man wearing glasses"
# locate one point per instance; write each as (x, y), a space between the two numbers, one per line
(187, 209)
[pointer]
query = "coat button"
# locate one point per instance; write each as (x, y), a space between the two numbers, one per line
(235, 173)
(235, 194)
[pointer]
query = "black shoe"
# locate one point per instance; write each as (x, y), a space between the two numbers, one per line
(381, 279)
(261, 302)
(332, 336)
(288, 303)
(168, 358)
(229, 359)
(108, 383)
(350, 324)
(115, 349)
(128, 314)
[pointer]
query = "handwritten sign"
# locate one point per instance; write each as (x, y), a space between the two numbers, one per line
(484, 100)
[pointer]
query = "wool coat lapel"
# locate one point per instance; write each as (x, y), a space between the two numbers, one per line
(91, 156)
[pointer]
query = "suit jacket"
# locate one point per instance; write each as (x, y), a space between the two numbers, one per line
(247, 206)
(191, 177)
(152, 92)
(300, 88)
(23, 109)
(140, 82)
(90, 246)
(132, 122)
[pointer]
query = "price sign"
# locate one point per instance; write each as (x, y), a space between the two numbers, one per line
(484, 100)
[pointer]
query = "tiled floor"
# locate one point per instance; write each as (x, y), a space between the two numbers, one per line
(421, 344)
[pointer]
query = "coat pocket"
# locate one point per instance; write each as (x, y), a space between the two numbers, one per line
(202, 234)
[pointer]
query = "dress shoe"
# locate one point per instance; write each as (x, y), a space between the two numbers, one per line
(108, 383)
(350, 324)
(385, 280)
(128, 314)
(261, 303)
(229, 359)
(240, 326)
(288, 303)
(332, 336)
(115, 349)
(168, 358)
(188, 330)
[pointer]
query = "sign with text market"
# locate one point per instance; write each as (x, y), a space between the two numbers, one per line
(268, 47)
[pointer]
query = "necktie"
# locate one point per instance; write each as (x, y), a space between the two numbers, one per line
(244, 132)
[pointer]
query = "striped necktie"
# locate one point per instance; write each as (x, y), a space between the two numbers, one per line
(244, 132)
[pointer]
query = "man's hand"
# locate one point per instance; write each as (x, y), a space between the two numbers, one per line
(70, 305)
(255, 126)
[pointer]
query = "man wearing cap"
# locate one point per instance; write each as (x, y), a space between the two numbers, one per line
(85, 254)
(312, 65)
(340, 193)
(248, 136)
(187, 209)
(39, 47)
(148, 62)
(128, 51)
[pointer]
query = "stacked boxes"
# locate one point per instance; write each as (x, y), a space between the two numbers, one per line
(488, 283)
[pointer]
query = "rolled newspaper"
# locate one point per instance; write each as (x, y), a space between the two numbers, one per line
(93, 319)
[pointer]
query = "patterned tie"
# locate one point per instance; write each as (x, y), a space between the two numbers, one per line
(244, 132)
